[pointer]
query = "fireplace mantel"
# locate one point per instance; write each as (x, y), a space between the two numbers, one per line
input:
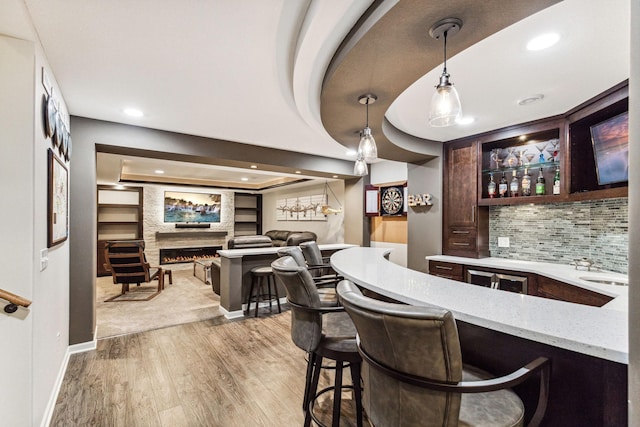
(187, 234)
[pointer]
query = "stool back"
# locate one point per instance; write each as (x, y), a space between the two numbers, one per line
(294, 252)
(306, 325)
(414, 341)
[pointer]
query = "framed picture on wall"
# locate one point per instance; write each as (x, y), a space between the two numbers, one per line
(58, 201)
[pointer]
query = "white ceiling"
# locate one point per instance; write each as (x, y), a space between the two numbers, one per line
(251, 71)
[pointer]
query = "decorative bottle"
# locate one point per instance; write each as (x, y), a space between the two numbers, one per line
(540, 184)
(503, 187)
(514, 186)
(491, 188)
(525, 183)
(556, 181)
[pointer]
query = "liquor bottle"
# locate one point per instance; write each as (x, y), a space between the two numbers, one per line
(514, 186)
(556, 181)
(491, 188)
(540, 184)
(503, 188)
(526, 183)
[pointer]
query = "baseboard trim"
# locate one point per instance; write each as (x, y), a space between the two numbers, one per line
(72, 349)
(236, 314)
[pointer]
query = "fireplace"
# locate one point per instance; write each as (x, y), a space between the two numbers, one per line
(178, 255)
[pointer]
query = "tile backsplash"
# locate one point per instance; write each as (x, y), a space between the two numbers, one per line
(562, 232)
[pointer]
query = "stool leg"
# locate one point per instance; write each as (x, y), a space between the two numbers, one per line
(313, 389)
(337, 395)
(275, 291)
(249, 296)
(267, 282)
(258, 293)
(307, 384)
(357, 391)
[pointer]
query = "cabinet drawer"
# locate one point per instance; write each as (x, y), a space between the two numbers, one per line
(461, 239)
(447, 270)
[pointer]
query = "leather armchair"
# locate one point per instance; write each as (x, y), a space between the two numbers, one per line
(413, 372)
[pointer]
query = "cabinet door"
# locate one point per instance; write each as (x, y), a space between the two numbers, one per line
(511, 283)
(480, 278)
(462, 185)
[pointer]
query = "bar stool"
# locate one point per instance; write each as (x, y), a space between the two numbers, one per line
(262, 279)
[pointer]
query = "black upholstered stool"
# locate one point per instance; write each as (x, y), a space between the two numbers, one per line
(262, 280)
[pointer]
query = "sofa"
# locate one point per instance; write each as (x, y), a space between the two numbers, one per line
(290, 238)
(244, 242)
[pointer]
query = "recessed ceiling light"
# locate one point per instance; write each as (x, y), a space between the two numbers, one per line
(335, 176)
(530, 99)
(244, 178)
(133, 112)
(254, 166)
(465, 120)
(542, 42)
(159, 171)
(298, 172)
(351, 152)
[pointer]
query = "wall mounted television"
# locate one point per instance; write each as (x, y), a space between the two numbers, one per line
(610, 139)
(183, 207)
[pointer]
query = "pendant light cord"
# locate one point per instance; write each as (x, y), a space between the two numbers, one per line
(445, 52)
(367, 124)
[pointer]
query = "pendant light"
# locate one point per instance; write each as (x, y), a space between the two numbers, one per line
(445, 103)
(360, 168)
(367, 147)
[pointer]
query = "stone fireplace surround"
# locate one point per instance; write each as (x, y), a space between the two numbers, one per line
(160, 235)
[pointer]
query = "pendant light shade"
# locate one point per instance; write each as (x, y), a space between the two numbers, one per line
(367, 147)
(445, 104)
(360, 168)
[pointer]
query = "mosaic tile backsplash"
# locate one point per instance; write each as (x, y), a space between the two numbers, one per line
(562, 232)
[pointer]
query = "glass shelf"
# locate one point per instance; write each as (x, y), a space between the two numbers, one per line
(531, 167)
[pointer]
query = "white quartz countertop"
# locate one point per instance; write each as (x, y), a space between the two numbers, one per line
(239, 253)
(597, 331)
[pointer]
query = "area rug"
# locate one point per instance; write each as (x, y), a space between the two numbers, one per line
(187, 300)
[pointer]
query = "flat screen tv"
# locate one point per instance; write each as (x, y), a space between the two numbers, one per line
(191, 207)
(610, 140)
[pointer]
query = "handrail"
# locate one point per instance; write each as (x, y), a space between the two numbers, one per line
(14, 301)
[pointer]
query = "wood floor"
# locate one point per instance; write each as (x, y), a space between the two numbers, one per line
(209, 373)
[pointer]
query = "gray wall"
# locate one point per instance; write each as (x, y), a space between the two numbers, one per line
(90, 136)
(424, 223)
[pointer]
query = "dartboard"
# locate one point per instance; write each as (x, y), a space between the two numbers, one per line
(391, 201)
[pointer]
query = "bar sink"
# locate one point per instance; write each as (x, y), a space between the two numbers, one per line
(605, 280)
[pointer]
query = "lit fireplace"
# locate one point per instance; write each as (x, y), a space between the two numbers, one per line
(177, 255)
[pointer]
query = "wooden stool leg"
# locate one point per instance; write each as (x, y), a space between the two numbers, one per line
(272, 279)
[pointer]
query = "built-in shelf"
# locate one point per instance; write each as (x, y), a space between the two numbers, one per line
(119, 218)
(247, 214)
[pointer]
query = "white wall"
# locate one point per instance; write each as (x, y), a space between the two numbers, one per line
(329, 231)
(35, 340)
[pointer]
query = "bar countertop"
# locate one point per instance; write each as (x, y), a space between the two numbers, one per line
(596, 331)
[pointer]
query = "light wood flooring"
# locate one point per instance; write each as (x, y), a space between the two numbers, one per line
(209, 373)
